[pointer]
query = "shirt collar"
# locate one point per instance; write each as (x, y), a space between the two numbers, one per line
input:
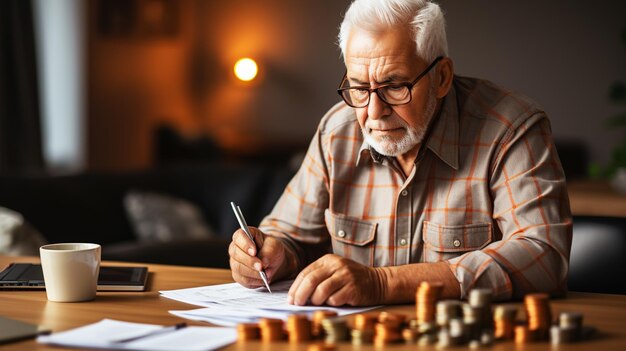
(443, 139)
(367, 150)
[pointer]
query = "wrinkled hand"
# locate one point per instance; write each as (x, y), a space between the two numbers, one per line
(337, 281)
(273, 257)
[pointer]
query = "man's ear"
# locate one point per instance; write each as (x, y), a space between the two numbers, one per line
(445, 75)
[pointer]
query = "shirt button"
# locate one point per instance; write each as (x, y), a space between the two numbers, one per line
(405, 193)
(403, 242)
(341, 234)
(456, 243)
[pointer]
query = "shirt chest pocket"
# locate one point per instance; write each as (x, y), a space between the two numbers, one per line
(445, 242)
(351, 237)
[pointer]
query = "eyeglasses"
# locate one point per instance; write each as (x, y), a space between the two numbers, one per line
(392, 94)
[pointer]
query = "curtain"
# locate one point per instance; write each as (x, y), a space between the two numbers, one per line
(20, 130)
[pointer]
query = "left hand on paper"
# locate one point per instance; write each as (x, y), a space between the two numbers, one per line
(337, 281)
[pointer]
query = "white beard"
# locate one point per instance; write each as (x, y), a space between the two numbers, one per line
(385, 145)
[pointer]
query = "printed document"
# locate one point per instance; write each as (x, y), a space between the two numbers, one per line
(230, 304)
(109, 334)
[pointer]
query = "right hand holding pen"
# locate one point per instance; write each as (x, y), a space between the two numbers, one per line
(246, 263)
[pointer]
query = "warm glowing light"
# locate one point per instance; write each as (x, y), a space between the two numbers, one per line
(246, 69)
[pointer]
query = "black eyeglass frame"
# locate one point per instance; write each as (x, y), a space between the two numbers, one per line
(409, 85)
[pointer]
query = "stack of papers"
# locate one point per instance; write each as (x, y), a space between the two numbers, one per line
(230, 304)
(112, 334)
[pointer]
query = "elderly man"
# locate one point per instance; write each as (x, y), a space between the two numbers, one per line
(417, 175)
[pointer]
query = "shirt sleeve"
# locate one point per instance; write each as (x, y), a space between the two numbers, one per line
(531, 211)
(298, 216)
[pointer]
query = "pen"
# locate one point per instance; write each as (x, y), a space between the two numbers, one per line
(152, 333)
(244, 227)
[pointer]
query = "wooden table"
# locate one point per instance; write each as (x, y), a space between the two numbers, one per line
(595, 198)
(605, 312)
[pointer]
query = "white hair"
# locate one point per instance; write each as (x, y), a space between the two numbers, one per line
(423, 17)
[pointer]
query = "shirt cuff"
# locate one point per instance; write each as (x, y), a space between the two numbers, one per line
(478, 270)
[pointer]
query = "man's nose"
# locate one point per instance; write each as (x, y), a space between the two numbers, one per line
(377, 108)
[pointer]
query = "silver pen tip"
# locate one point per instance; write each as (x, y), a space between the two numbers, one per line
(264, 278)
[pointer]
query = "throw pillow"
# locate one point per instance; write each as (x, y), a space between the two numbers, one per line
(18, 237)
(159, 217)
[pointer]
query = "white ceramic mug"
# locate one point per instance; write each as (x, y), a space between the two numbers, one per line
(70, 271)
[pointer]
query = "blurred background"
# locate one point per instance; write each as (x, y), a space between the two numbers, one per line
(128, 84)
(122, 121)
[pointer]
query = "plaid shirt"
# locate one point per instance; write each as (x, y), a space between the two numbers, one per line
(487, 195)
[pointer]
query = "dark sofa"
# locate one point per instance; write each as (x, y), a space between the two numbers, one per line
(89, 207)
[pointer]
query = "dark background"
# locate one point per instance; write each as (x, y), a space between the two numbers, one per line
(563, 54)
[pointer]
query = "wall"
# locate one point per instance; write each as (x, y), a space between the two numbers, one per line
(564, 54)
(137, 83)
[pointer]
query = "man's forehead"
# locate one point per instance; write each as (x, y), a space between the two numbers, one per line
(380, 54)
(385, 61)
(381, 69)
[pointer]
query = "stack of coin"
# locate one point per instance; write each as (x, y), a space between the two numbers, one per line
(335, 330)
(410, 335)
(474, 344)
(318, 316)
(299, 328)
(386, 333)
(523, 334)
(365, 321)
(480, 297)
(443, 338)
(248, 331)
(486, 337)
(473, 320)
(271, 329)
(504, 320)
(472, 330)
(447, 310)
(363, 331)
(362, 336)
(427, 339)
(429, 328)
(480, 300)
(538, 313)
(411, 332)
(572, 320)
(396, 320)
(471, 313)
(425, 298)
(458, 330)
(561, 335)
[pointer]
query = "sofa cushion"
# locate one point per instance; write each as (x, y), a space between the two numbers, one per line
(18, 237)
(159, 217)
(89, 207)
(598, 255)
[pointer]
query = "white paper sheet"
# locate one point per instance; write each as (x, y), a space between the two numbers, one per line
(104, 334)
(230, 304)
(235, 295)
